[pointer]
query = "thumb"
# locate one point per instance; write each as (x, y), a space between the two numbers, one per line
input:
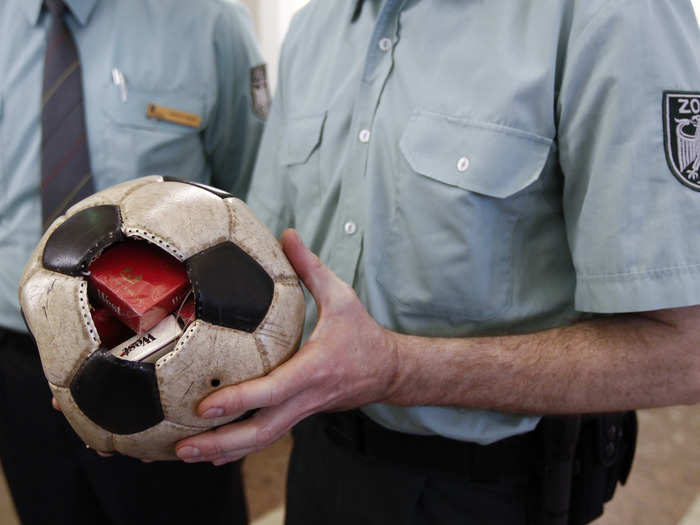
(315, 275)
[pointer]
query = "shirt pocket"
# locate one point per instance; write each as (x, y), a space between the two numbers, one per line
(459, 194)
(134, 145)
(300, 157)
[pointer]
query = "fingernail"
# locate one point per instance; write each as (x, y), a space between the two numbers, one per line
(213, 412)
(188, 452)
(219, 462)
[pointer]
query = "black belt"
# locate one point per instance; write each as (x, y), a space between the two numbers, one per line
(510, 457)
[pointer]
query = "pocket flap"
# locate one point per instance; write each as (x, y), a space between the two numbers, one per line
(302, 138)
(484, 158)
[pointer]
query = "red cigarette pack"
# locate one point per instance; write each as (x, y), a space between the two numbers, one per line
(140, 283)
(112, 331)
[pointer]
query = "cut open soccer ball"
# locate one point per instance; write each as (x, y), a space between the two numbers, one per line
(249, 312)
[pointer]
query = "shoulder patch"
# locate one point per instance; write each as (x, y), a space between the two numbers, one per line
(259, 91)
(681, 115)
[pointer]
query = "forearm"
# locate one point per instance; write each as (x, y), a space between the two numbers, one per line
(629, 361)
(623, 362)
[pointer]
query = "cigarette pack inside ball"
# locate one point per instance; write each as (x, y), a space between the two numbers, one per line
(140, 283)
(153, 344)
(111, 330)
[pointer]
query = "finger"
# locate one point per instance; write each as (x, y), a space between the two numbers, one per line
(239, 439)
(317, 277)
(104, 454)
(275, 388)
(55, 404)
(228, 457)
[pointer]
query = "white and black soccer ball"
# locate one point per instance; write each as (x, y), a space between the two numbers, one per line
(250, 310)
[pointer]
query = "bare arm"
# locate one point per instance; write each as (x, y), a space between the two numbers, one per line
(624, 362)
(629, 361)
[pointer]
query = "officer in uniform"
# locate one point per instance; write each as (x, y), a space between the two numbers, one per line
(503, 186)
(167, 88)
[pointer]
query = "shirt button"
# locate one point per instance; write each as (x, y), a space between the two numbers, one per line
(385, 44)
(463, 164)
(350, 228)
(364, 136)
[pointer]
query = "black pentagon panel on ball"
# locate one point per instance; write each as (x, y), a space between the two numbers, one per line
(120, 396)
(211, 189)
(231, 288)
(82, 237)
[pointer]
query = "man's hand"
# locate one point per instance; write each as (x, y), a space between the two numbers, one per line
(348, 361)
(622, 362)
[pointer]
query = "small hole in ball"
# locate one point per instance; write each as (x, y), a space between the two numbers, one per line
(215, 382)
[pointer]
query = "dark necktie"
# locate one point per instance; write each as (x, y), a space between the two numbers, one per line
(65, 163)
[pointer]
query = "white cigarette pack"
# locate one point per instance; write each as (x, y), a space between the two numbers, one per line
(152, 345)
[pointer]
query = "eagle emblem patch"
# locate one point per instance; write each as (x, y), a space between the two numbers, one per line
(681, 114)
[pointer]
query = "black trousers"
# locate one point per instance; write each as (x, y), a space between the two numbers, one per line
(55, 479)
(332, 481)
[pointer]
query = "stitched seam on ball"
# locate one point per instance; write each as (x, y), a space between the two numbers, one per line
(178, 347)
(264, 358)
(231, 219)
(110, 436)
(291, 343)
(85, 311)
(289, 282)
(99, 201)
(165, 244)
(264, 354)
(288, 279)
(78, 365)
(32, 273)
(98, 253)
(242, 244)
(138, 186)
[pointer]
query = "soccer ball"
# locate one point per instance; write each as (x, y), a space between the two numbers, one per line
(249, 304)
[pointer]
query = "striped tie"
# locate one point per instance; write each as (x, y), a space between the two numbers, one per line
(65, 162)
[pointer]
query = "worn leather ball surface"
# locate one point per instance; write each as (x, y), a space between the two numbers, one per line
(250, 312)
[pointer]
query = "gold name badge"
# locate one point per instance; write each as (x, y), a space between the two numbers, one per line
(173, 115)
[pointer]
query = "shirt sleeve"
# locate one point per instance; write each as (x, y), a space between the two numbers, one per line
(269, 196)
(233, 133)
(629, 218)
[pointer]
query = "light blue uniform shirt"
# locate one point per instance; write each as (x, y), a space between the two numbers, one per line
(487, 167)
(190, 56)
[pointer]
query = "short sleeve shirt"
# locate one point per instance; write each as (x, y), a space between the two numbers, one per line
(479, 168)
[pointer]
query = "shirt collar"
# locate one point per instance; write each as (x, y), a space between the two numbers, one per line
(81, 9)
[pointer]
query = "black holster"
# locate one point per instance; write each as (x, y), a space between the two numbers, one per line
(583, 458)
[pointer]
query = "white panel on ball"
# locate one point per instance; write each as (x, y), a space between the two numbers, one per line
(275, 339)
(112, 195)
(156, 443)
(58, 315)
(180, 218)
(253, 237)
(34, 263)
(206, 357)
